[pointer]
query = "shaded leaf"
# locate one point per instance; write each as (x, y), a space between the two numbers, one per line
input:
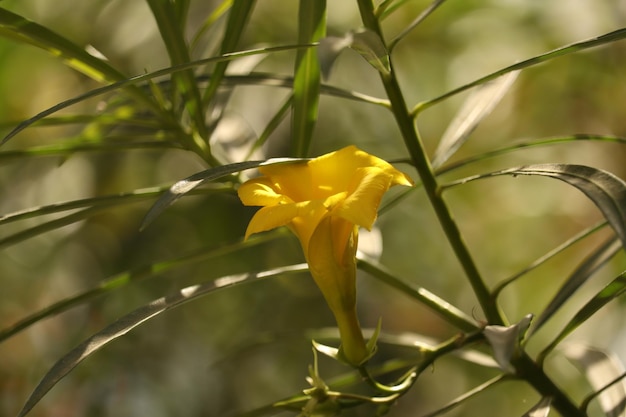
(419, 19)
(183, 187)
(329, 50)
(584, 271)
(605, 374)
(505, 341)
(367, 43)
(604, 189)
(125, 324)
(541, 409)
(125, 278)
(477, 106)
(613, 290)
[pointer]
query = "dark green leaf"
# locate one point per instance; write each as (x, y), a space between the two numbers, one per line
(608, 294)
(584, 271)
(125, 324)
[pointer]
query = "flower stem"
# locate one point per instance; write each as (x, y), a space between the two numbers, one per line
(352, 342)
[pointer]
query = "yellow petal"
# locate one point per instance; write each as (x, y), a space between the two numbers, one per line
(364, 195)
(335, 277)
(260, 192)
(268, 218)
(294, 180)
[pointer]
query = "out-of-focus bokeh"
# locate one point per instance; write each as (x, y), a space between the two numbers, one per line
(244, 347)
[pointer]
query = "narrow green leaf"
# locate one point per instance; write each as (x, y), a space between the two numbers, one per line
(583, 272)
(167, 71)
(125, 278)
(306, 84)
(23, 30)
(170, 19)
(444, 309)
(613, 290)
(184, 186)
(604, 189)
(528, 144)
(605, 374)
(467, 395)
(217, 13)
(564, 50)
(547, 256)
(137, 317)
(419, 19)
(238, 17)
(477, 106)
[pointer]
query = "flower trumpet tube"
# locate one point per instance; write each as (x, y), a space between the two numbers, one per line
(324, 202)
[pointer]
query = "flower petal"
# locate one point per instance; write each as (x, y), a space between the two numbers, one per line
(364, 195)
(268, 218)
(261, 192)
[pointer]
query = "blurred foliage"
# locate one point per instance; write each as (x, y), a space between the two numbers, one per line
(244, 347)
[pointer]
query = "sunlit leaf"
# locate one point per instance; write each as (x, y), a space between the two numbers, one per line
(125, 324)
(604, 372)
(183, 187)
(613, 290)
(477, 106)
(505, 341)
(585, 270)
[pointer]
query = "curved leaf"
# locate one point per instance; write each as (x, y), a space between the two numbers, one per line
(604, 189)
(125, 324)
(182, 187)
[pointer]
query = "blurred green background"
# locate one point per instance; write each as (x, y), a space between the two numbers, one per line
(245, 347)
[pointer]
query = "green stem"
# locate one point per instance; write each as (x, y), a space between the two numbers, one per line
(419, 158)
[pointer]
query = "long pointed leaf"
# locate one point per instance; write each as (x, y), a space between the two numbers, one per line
(182, 187)
(541, 409)
(615, 289)
(125, 324)
(123, 279)
(306, 84)
(564, 50)
(585, 270)
(165, 71)
(477, 106)
(18, 28)
(604, 189)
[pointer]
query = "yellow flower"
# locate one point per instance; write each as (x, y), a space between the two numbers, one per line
(324, 201)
